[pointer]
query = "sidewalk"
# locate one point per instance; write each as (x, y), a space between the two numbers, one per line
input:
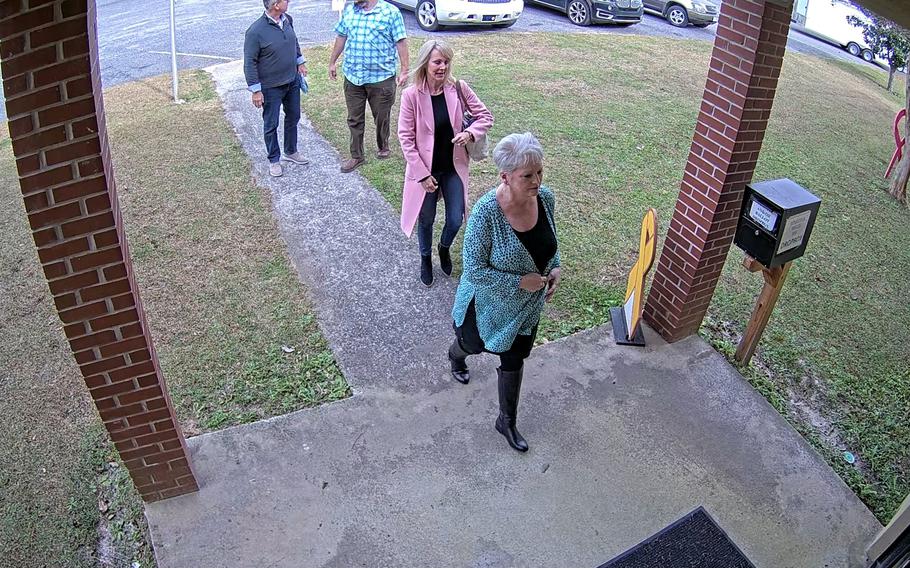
(409, 471)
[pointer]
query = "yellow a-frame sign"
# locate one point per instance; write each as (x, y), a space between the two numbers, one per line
(627, 320)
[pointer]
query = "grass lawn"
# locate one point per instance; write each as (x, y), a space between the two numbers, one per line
(615, 115)
(64, 499)
(234, 331)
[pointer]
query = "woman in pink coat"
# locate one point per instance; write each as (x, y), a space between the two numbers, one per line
(433, 143)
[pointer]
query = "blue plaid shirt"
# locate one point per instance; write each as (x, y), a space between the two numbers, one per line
(370, 55)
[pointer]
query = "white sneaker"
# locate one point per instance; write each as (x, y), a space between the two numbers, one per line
(275, 170)
(297, 158)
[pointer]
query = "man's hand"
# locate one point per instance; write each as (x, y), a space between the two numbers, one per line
(462, 138)
(429, 184)
(257, 99)
(337, 50)
(403, 79)
(302, 69)
(553, 283)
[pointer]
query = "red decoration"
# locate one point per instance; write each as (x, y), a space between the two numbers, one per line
(898, 142)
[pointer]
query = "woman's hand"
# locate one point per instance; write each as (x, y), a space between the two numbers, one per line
(553, 283)
(532, 282)
(429, 184)
(462, 138)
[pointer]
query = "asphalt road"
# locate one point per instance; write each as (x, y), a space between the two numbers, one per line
(135, 37)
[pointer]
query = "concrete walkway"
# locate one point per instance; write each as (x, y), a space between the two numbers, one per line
(409, 471)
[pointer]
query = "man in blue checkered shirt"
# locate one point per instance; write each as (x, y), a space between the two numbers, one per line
(371, 34)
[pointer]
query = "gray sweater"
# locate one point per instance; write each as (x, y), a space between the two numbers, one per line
(270, 54)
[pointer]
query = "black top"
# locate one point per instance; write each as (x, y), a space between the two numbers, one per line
(540, 241)
(443, 149)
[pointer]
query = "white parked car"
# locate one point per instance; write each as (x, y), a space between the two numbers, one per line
(434, 13)
(827, 20)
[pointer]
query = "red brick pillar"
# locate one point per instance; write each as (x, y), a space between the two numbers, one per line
(742, 79)
(49, 61)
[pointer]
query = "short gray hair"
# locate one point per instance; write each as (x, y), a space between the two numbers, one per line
(517, 151)
(269, 3)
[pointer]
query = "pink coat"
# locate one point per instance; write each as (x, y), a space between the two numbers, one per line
(415, 133)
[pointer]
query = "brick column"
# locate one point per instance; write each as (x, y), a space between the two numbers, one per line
(49, 62)
(742, 79)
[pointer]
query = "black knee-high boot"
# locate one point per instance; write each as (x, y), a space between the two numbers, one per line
(458, 361)
(509, 389)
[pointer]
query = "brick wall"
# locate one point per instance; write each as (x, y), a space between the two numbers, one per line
(739, 92)
(49, 62)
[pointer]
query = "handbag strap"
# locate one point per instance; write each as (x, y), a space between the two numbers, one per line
(464, 102)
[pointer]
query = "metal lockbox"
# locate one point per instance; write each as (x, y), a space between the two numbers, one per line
(775, 221)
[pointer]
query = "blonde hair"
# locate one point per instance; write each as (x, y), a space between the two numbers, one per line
(419, 75)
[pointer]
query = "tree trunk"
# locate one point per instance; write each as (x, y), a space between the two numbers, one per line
(890, 77)
(901, 174)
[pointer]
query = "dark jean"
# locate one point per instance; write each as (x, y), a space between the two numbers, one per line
(449, 186)
(273, 98)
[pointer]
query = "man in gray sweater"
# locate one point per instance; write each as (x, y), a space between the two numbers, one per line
(273, 64)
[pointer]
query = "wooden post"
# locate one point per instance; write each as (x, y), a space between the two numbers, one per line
(774, 281)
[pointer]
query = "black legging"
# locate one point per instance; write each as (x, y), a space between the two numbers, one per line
(509, 361)
(470, 342)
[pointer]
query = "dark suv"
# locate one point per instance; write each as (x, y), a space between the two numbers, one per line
(586, 12)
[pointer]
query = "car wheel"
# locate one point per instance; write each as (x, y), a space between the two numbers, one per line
(678, 16)
(854, 49)
(579, 12)
(867, 56)
(426, 16)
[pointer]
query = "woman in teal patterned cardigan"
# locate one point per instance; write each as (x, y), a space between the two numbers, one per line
(511, 267)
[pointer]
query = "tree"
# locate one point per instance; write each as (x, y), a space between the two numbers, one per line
(901, 173)
(892, 43)
(885, 39)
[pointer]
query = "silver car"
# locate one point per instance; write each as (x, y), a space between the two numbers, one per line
(432, 14)
(681, 13)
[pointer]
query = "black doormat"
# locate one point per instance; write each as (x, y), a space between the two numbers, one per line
(694, 541)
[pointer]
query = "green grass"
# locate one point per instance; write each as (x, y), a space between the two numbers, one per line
(55, 460)
(616, 116)
(222, 301)
(239, 342)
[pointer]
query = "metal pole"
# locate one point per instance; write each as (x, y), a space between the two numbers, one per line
(174, 52)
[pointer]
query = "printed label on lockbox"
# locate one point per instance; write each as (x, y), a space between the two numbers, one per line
(763, 216)
(794, 231)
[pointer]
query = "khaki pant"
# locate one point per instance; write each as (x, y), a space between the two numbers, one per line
(381, 97)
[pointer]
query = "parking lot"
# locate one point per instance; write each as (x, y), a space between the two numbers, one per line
(134, 37)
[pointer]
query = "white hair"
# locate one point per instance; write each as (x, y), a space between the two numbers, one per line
(269, 3)
(517, 151)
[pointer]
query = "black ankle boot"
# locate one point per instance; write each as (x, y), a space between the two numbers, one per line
(509, 389)
(458, 361)
(426, 269)
(445, 260)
